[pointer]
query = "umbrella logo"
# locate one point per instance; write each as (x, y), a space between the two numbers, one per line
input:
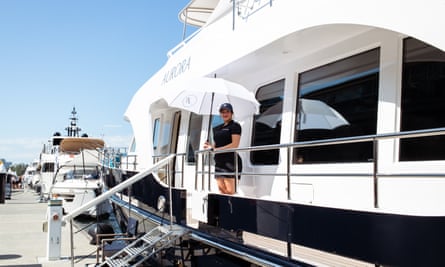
(189, 101)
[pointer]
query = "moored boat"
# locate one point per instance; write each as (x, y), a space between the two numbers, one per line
(344, 155)
(69, 168)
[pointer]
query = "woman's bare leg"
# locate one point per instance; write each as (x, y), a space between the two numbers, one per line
(229, 185)
(221, 185)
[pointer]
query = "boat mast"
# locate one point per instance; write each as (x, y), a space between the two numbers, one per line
(73, 129)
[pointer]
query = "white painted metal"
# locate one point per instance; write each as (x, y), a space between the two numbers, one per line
(54, 219)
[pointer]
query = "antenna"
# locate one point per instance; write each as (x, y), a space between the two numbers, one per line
(73, 129)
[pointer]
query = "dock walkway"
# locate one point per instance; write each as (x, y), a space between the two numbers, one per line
(23, 242)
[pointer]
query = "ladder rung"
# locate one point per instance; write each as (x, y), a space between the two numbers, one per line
(115, 262)
(150, 239)
(155, 240)
(133, 250)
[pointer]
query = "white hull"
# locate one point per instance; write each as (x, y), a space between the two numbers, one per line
(364, 58)
(76, 192)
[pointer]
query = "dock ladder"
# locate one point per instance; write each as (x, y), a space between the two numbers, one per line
(151, 243)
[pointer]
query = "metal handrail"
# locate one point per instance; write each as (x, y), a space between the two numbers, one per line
(156, 158)
(111, 157)
(315, 143)
(337, 141)
(69, 217)
(104, 196)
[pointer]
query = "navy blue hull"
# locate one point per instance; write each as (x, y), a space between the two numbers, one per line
(385, 239)
(382, 239)
(148, 191)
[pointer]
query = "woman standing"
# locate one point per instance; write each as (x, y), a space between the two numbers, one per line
(226, 136)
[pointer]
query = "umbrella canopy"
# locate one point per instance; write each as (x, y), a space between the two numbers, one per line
(204, 96)
(272, 116)
(316, 114)
(313, 114)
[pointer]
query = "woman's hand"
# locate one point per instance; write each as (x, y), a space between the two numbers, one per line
(207, 145)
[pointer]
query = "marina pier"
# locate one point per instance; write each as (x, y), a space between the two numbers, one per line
(23, 241)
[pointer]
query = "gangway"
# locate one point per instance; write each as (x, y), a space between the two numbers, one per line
(167, 237)
(146, 246)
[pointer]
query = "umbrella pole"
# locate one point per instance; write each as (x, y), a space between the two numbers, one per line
(210, 117)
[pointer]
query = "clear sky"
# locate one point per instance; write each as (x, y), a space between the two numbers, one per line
(91, 54)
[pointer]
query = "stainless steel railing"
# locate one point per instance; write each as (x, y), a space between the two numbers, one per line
(205, 155)
(203, 162)
(118, 157)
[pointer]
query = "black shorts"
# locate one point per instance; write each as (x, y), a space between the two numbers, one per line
(226, 165)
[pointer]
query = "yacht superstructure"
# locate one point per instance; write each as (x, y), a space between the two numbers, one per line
(345, 154)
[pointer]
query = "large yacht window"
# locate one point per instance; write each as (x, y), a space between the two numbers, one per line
(423, 100)
(338, 100)
(165, 138)
(267, 125)
(194, 136)
(48, 167)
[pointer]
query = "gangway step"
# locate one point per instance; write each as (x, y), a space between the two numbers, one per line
(134, 250)
(141, 249)
(117, 263)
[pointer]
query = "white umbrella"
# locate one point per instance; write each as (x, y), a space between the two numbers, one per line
(316, 114)
(313, 114)
(204, 96)
(271, 116)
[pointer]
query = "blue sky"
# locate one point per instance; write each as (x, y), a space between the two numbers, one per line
(91, 54)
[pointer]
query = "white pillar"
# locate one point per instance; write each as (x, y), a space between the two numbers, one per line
(53, 245)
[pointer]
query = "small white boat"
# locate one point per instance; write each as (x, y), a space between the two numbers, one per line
(31, 174)
(77, 181)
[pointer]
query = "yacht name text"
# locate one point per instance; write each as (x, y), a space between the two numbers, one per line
(177, 70)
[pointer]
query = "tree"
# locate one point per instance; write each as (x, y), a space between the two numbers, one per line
(19, 168)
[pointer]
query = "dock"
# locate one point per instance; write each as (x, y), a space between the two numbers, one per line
(23, 241)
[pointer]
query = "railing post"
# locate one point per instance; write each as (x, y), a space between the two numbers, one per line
(374, 172)
(183, 158)
(202, 169)
(72, 242)
(196, 170)
(209, 161)
(236, 170)
(289, 149)
(170, 194)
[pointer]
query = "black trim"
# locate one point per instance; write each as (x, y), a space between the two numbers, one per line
(148, 190)
(383, 239)
(378, 238)
(209, 234)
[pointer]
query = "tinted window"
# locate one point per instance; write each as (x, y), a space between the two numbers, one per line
(165, 138)
(194, 136)
(267, 125)
(48, 167)
(423, 98)
(338, 100)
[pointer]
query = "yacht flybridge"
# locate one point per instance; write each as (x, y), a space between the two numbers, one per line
(343, 160)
